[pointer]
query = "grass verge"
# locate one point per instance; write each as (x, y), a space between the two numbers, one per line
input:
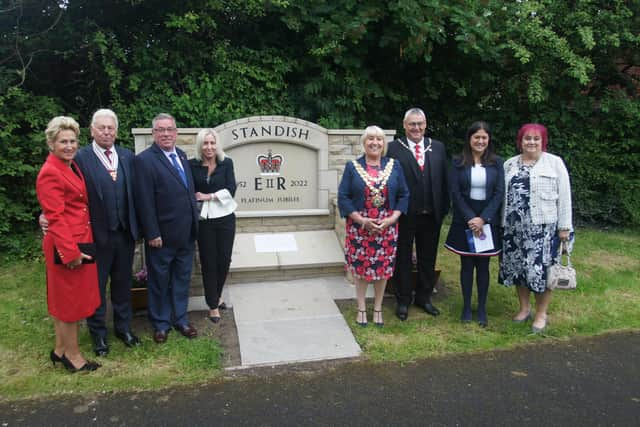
(607, 299)
(608, 265)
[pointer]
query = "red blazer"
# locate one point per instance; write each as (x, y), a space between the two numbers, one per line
(71, 294)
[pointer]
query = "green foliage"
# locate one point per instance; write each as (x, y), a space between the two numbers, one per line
(24, 117)
(570, 65)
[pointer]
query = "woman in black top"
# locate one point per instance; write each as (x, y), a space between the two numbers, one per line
(215, 185)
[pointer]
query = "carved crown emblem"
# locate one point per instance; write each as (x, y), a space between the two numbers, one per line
(270, 164)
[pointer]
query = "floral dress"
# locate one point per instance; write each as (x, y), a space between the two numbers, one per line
(526, 247)
(371, 256)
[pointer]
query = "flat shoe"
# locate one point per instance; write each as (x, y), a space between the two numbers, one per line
(524, 320)
(215, 319)
(222, 306)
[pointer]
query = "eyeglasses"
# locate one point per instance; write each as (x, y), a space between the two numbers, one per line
(163, 130)
(416, 124)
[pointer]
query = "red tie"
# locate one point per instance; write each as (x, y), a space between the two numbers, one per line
(419, 157)
(108, 154)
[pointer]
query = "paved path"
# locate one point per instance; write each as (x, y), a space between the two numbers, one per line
(584, 382)
(292, 321)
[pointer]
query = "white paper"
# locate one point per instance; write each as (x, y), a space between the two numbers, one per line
(281, 242)
(486, 243)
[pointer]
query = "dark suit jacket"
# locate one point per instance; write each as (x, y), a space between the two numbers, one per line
(460, 186)
(437, 168)
(351, 189)
(166, 208)
(90, 166)
(223, 177)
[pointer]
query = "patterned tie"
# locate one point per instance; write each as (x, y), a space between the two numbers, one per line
(419, 158)
(179, 169)
(108, 154)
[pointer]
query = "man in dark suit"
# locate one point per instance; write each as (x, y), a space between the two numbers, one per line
(108, 173)
(424, 163)
(169, 218)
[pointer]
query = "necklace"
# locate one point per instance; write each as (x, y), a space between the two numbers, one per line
(376, 184)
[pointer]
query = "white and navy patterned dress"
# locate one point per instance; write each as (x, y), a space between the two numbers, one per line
(526, 247)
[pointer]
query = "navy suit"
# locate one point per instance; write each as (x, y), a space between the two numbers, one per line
(115, 230)
(167, 209)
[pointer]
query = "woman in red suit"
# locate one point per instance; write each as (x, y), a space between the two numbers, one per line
(72, 277)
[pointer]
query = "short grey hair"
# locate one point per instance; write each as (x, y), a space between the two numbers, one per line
(414, 110)
(104, 112)
(200, 142)
(162, 116)
(374, 131)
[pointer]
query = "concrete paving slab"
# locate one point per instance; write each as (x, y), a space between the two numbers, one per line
(285, 341)
(292, 321)
(315, 248)
(281, 301)
(244, 256)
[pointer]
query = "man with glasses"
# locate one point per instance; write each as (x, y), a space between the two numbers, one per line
(424, 163)
(169, 217)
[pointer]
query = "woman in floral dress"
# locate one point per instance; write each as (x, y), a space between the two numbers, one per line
(537, 208)
(372, 195)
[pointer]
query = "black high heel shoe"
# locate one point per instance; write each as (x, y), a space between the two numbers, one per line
(54, 358)
(362, 324)
(88, 366)
(379, 324)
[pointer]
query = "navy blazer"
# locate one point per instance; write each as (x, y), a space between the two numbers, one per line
(460, 186)
(351, 189)
(90, 166)
(166, 208)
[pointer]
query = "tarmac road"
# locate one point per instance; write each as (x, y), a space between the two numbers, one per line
(583, 382)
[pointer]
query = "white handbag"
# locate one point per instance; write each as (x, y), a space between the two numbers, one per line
(559, 276)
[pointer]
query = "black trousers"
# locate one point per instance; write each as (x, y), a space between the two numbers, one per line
(424, 230)
(115, 260)
(215, 243)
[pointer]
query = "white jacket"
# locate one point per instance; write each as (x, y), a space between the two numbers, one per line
(550, 190)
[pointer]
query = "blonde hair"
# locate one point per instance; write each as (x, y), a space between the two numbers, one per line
(60, 123)
(374, 131)
(200, 141)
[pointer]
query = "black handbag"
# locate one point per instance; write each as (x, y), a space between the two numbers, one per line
(85, 248)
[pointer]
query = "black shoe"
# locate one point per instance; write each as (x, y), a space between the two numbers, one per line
(466, 316)
(429, 308)
(379, 323)
(88, 366)
(54, 358)
(362, 314)
(128, 338)
(100, 346)
(402, 311)
(215, 319)
(482, 319)
(222, 306)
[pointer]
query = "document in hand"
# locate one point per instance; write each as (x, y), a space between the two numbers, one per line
(481, 243)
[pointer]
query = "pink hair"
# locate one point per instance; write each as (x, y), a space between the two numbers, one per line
(529, 127)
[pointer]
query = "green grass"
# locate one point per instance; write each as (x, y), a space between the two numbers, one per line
(607, 299)
(28, 336)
